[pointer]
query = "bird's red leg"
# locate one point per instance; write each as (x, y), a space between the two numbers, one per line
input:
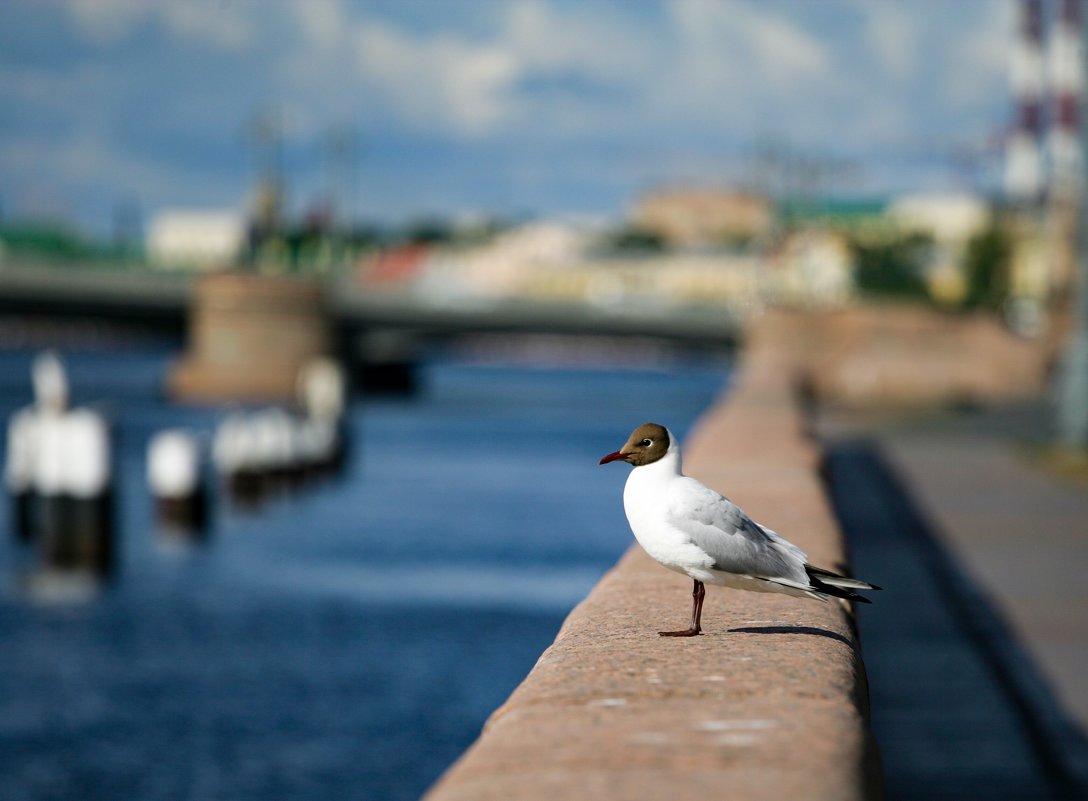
(697, 595)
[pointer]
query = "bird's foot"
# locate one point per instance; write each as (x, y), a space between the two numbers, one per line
(684, 633)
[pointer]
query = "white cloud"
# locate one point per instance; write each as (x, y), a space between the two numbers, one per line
(451, 82)
(220, 24)
(437, 80)
(785, 51)
(735, 68)
(106, 21)
(608, 71)
(556, 93)
(323, 22)
(893, 37)
(212, 22)
(748, 41)
(978, 59)
(601, 45)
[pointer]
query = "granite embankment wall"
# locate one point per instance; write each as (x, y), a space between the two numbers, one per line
(770, 703)
(891, 357)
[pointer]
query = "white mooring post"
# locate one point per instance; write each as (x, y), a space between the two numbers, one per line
(175, 478)
(323, 395)
(75, 494)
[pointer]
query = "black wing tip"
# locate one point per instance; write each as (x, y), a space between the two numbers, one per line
(815, 574)
(841, 592)
(846, 593)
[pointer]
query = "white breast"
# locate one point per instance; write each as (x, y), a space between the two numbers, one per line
(645, 499)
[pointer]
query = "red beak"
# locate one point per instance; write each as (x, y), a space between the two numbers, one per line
(612, 457)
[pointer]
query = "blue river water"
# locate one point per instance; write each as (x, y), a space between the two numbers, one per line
(346, 642)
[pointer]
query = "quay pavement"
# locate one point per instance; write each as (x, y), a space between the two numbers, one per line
(1014, 531)
(1017, 525)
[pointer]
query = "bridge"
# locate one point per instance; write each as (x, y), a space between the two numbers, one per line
(161, 300)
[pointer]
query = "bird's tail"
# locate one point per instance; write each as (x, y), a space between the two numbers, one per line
(833, 584)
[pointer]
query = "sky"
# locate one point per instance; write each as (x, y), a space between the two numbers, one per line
(408, 109)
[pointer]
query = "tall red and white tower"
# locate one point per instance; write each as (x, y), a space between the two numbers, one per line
(1024, 155)
(1066, 74)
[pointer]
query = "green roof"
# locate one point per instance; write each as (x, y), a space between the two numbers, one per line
(42, 238)
(844, 210)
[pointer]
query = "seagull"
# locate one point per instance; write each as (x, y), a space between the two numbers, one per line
(688, 527)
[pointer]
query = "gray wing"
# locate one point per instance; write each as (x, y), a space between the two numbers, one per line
(735, 542)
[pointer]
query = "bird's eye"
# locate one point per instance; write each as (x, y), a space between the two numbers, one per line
(646, 443)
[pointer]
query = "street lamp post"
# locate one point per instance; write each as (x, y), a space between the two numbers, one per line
(1073, 390)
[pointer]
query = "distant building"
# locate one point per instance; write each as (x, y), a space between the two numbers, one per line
(811, 267)
(543, 242)
(503, 266)
(204, 239)
(951, 220)
(704, 217)
(400, 264)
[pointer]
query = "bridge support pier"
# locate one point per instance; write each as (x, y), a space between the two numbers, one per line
(248, 337)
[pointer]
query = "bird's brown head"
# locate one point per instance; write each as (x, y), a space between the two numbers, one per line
(647, 443)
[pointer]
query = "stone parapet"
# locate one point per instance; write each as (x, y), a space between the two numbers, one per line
(770, 703)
